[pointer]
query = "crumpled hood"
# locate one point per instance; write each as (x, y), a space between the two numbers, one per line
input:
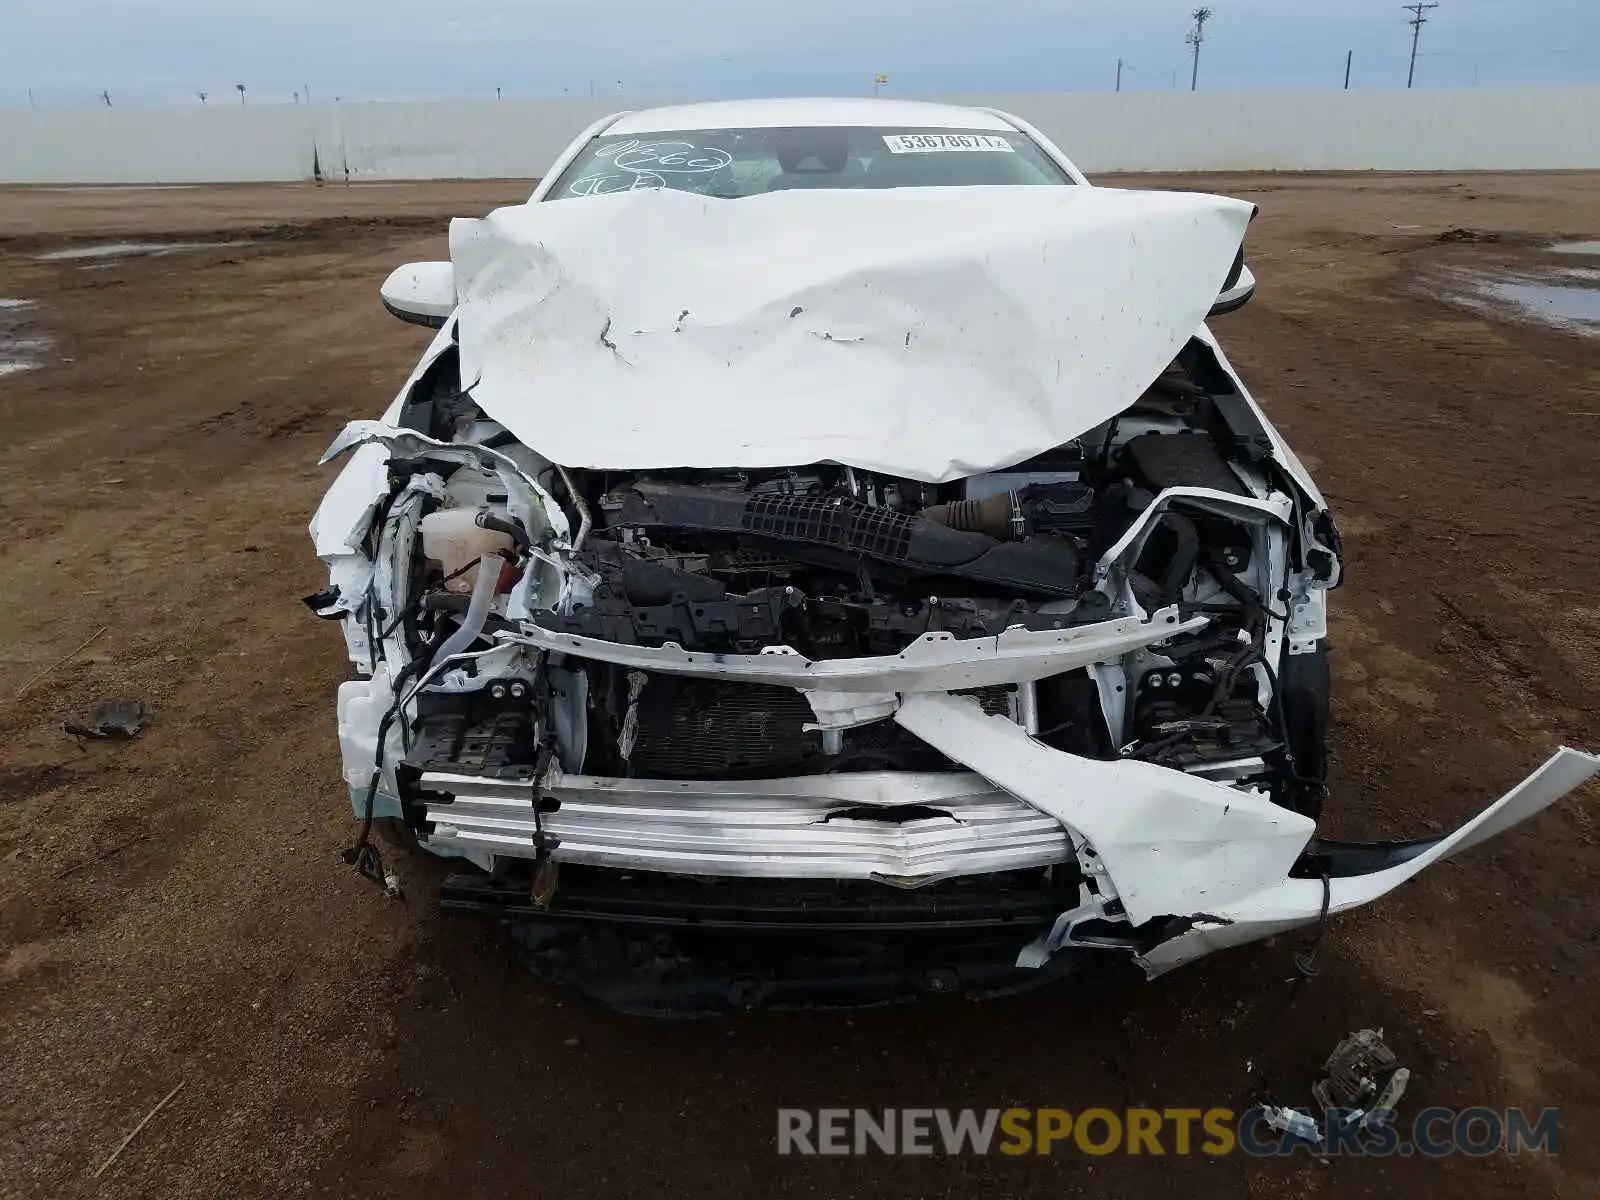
(930, 333)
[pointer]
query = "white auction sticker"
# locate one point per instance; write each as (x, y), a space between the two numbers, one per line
(944, 143)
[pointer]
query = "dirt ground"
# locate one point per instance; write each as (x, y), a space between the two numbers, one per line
(173, 910)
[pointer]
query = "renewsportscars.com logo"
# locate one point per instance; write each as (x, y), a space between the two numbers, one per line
(1432, 1132)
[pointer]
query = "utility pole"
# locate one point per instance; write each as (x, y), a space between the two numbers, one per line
(31, 103)
(202, 96)
(240, 86)
(1418, 19)
(1348, 55)
(1194, 38)
(1119, 74)
(497, 95)
(106, 96)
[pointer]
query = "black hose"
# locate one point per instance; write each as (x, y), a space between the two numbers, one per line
(1183, 556)
(1228, 581)
(512, 529)
(1306, 960)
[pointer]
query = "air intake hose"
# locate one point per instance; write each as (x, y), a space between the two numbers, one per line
(992, 515)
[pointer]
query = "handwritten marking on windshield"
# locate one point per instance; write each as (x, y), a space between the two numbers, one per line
(673, 158)
(637, 166)
(615, 181)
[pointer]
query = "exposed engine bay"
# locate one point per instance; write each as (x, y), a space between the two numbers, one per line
(833, 563)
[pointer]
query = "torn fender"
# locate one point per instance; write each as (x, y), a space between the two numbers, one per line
(408, 443)
(527, 502)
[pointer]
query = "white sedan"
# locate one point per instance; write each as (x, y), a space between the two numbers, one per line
(823, 554)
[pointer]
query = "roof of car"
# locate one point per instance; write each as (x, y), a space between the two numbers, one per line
(825, 111)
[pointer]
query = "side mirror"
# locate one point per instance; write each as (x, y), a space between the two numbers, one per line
(1236, 294)
(421, 293)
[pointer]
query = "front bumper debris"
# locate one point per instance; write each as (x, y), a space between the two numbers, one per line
(1359, 873)
(1227, 864)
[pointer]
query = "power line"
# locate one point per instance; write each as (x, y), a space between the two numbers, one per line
(1194, 37)
(1418, 19)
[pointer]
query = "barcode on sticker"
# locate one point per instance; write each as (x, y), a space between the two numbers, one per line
(944, 143)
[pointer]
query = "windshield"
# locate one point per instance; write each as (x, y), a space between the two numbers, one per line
(731, 163)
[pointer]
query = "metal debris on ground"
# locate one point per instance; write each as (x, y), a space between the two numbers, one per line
(119, 718)
(1364, 1078)
(1292, 1122)
(1362, 1084)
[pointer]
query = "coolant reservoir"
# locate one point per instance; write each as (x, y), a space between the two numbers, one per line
(453, 538)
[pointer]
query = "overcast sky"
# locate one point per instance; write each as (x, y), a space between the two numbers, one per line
(164, 51)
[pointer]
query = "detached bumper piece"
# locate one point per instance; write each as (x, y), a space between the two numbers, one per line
(664, 945)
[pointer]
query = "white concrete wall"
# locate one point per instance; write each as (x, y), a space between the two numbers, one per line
(200, 144)
(1421, 130)
(450, 141)
(1486, 129)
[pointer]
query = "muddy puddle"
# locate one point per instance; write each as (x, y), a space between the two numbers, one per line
(1568, 306)
(1556, 291)
(22, 346)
